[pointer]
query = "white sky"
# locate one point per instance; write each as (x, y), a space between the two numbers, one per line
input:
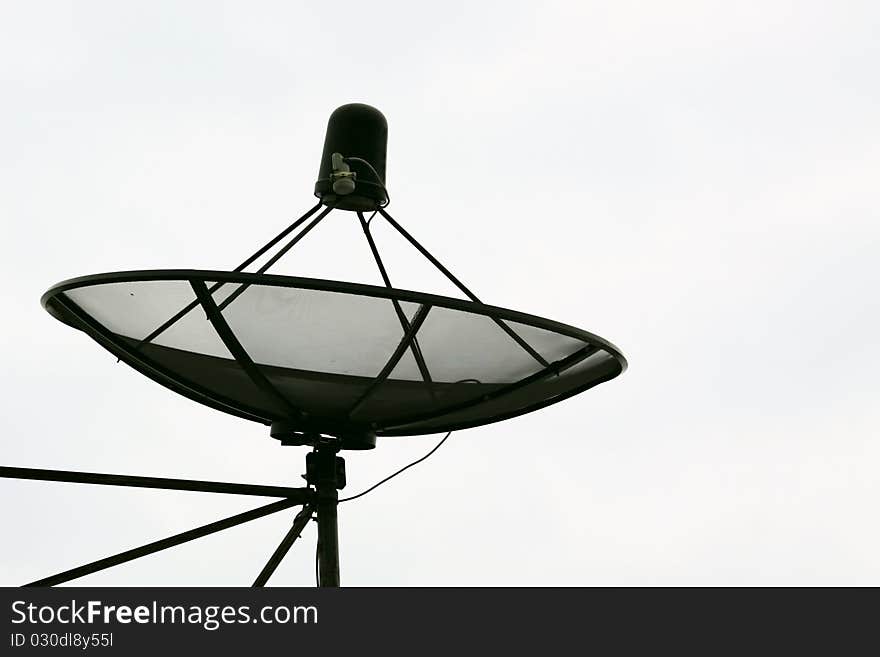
(695, 181)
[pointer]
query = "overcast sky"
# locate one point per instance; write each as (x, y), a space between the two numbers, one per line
(698, 182)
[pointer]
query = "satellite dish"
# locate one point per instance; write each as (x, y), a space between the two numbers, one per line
(328, 364)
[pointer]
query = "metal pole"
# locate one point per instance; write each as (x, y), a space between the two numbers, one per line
(326, 499)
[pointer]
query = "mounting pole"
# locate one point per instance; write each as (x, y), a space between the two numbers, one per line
(326, 472)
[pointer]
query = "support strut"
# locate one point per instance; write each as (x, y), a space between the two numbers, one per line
(164, 544)
(299, 523)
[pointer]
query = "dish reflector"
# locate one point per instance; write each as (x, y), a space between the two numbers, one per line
(332, 357)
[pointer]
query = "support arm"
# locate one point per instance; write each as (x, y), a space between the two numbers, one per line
(156, 546)
(473, 297)
(299, 523)
(247, 263)
(275, 258)
(296, 495)
(401, 316)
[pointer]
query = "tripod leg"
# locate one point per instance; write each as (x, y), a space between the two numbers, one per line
(164, 543)
(299, 523)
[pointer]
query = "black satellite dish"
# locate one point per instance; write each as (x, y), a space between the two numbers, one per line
(328, 364)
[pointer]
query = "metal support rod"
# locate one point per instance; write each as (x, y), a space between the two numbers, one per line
(280, 236)
(299, 523)
(395, 357)
(247, 263)
(401, 316)
(239, 353)
(162, 544)
(461, 286)
(297, 495)
(555, 368)
(326, 500)
(275, 258)
(120, 348)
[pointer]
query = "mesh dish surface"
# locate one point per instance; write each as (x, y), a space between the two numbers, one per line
(334, 356)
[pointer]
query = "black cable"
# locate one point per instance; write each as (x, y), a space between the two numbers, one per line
(379, 182)
(391, 476)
